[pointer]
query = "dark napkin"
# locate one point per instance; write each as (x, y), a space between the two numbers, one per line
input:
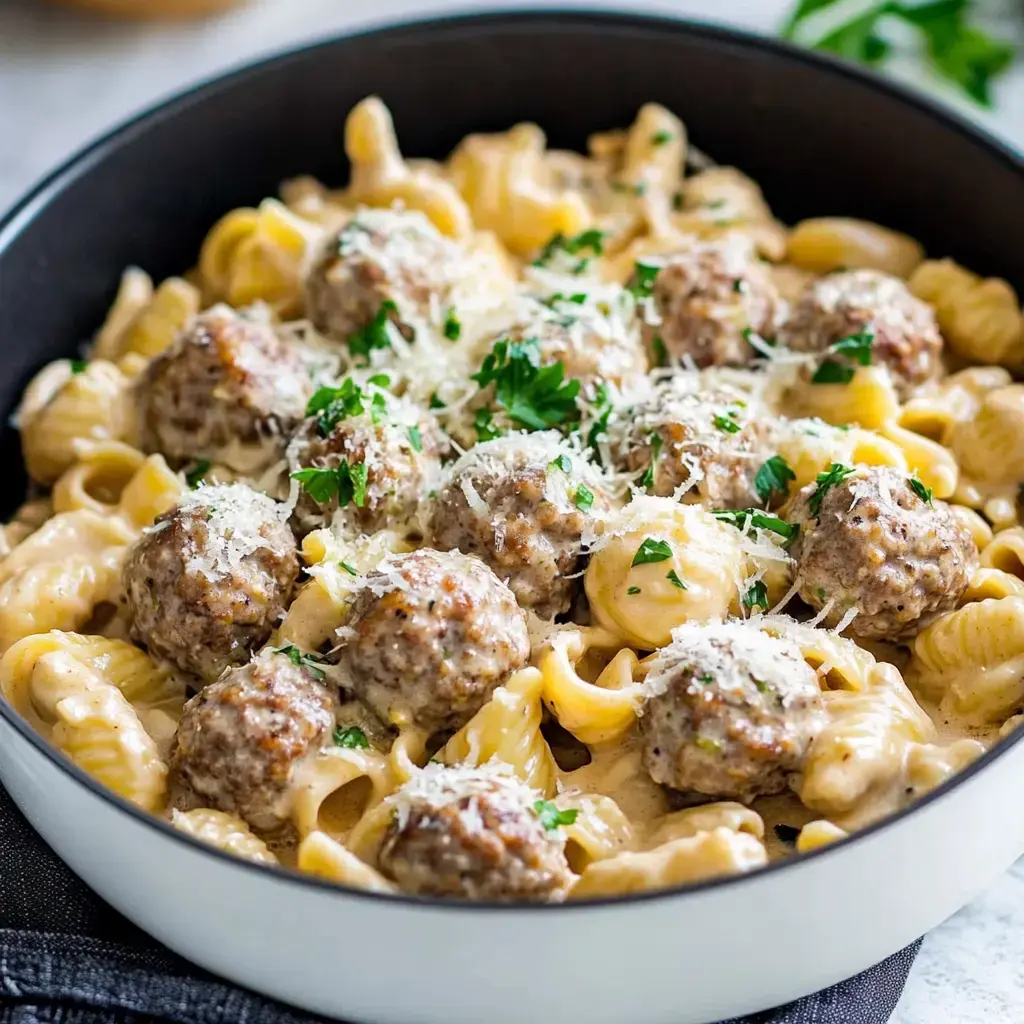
(68, 958)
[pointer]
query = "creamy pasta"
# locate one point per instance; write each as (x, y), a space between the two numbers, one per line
(527, 526)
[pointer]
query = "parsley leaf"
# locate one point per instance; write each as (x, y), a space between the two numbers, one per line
(603, 409)
(727, 423)
(648, 476)
(660, 352)
(673, 577)
(924, 493)
(484, 425)
(642, 282)
(756, 596)
(563, 462)
(78, 366)
(415, 439)
(660, 138)
(755, 517)
(651, 550)
(303, 660)
(346, 482)
(352, 738)
(856, 348)
(773, 478)
(320, 484)
(534, 396)
(592, 239)
(331, 405)
(199, 469)
(551, 817)
(435, 402)
(831, 372)
(374, 335)
(583, 499)
(349, 568)
(632, 591)
(452, 325)
(835, 474)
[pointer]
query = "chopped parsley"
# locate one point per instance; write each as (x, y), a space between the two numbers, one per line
(415, 439)
(551, 817)
(755, 517)
(78, 366)
(786, 834)
(642, 282)
(924, 493)
(199, 469)
(632, 591)
(435, 402)
(749, 334)
(484, 425)
(577, 299)
(856, 348)
(660, 352)
(835, 474)
(378, 408)
(303, 660)
(583, 499)
(349, 568)
(773, 478)
(647, 478)
(534, 396)
(673, 577)
(706, 678)
(660, 138)
(563, 462)
(452, 325)
(331, 405)
(603, 410)
(740, 286)
(352, 738)
(651, 550)
(374, 335)
(346, 482)
(756, 597)
(593, 239)
(727, 423)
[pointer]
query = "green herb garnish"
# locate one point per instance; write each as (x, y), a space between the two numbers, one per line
(303, 660)
(374, 335)
(484, 425)
(856, 348)
(78, 366)
(331, 405)
(756, 596)
(592, 239)
(551, 817)
(452, 325)
(835, 474)
(583, 499)
(647, 478)
(603, 408)
(651, 550)
(200, 468)
(631, 591)
(563, 462)
(435, 402)
(642, 282)
(673, 577)
(773, 478)
(660, 138)
(349, 568)
(740, 518)
(727, 423)
(534, 396)
(346, 482)
(352, 738)
(415, 438)
(924, 493)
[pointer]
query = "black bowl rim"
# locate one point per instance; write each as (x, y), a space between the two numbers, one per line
(20, 215)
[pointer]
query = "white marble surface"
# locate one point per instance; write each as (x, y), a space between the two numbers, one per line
(65, 77)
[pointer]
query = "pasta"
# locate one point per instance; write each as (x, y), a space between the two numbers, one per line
(527, 525)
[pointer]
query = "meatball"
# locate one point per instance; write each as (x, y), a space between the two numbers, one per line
(392, 442)
(429, 637)
(904, 333)
(388, 263)
(705, 301)
(225, 380)
(593, 335)
(525, 504)
(206, 583)
(477, 834)
(730, 712)
(873, 540)
(712, 443)
(241, 738)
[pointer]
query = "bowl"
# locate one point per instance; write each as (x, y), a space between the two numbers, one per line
(821, 138)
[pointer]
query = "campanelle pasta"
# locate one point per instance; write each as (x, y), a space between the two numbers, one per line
(525, 526)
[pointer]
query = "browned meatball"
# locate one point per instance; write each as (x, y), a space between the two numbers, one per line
(388, 263)
(873, 539)
(429, 637)
(904, 333)
(225, 381)
(706, 300)
(241, 738)
(711, 443)
(475, 834)
(396, 445)
(730, 712)
(525, 504)
(594, 335)
(205, 585)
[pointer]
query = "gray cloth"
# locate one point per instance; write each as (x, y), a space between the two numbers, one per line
(68, 958)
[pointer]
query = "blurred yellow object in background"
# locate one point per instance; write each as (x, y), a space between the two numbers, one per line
(152, 8)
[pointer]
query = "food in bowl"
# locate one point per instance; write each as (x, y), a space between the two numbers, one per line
(525, 527)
